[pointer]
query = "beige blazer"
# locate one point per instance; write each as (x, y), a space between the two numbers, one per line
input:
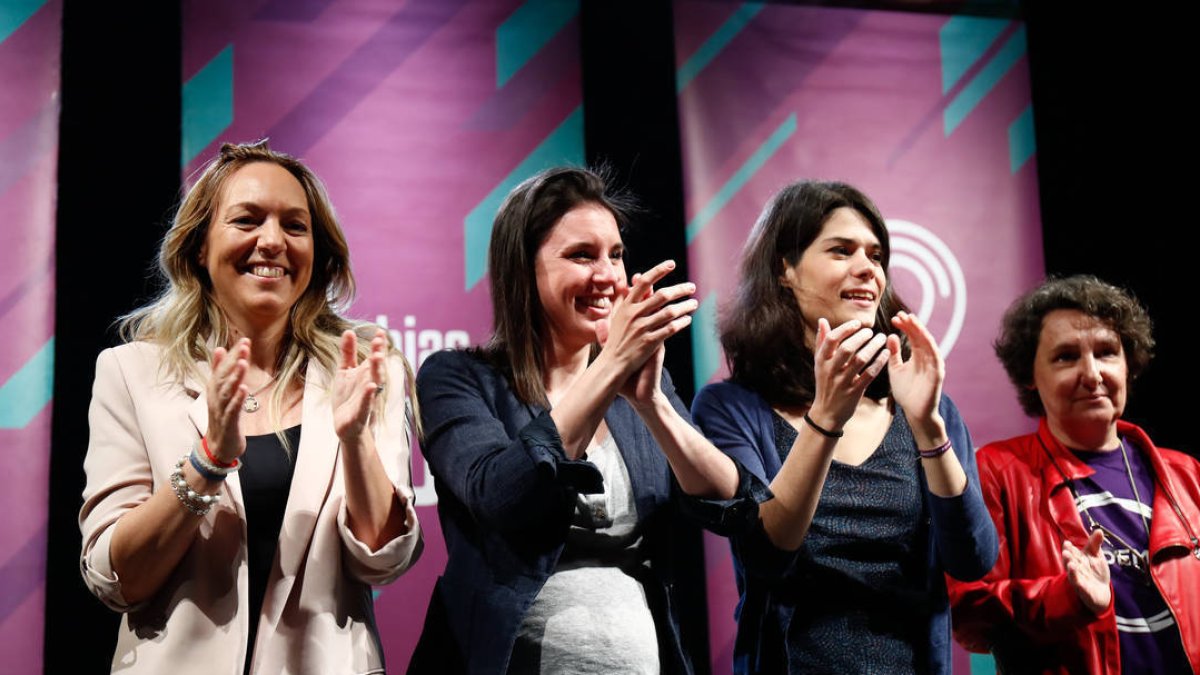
(317, 614)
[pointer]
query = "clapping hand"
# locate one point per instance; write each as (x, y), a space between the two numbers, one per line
(225, 393)
(356, 385)
(846, 360)
(917, 381)
(641, 321)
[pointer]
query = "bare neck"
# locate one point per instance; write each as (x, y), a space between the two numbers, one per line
(563, 366)
(266, 342)
(1087, 438)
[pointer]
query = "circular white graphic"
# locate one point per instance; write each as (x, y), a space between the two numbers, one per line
(937, 271)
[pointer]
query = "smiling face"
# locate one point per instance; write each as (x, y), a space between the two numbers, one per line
(579, 268)
(840, 275)
(258, 250)
(1080, 374)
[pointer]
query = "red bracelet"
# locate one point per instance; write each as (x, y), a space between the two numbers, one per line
(214, 460)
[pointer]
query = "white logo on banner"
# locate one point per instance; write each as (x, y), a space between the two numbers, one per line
(417, 345)
(933, 264)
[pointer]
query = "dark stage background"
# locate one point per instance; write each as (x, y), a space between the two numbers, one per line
(1110, 135)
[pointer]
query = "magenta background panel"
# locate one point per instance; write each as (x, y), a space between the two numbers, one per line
(30, 47)
(859, 96)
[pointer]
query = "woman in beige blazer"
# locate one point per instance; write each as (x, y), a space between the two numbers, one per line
(248, 470)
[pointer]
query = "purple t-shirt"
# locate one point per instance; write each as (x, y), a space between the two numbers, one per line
(1150, 641)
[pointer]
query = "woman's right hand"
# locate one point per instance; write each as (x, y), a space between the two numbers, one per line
(226, 392)
(1087, 572)
(845, 361)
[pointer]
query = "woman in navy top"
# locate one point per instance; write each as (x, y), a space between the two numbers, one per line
(872, 486)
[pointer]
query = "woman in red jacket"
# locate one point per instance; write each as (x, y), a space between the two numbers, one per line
(1098, 527)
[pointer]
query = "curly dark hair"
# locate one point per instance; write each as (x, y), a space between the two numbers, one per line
(1021, 328)
(762, 329)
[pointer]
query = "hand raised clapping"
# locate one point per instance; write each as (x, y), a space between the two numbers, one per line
(846, 360)
(641, 321)
(226, 392)
(917, 381)
(356, 385)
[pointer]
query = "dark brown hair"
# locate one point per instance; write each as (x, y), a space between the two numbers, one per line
(1021, 328)
(762, 329)
(522, 224)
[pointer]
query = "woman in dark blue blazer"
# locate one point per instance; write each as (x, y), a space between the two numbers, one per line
(559, 451)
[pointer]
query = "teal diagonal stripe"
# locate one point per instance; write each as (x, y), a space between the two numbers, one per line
(963, 40)
(983, 664)
(706, 348)
(986, 80)
(741, 176)
(564, 145)
(28, 390)
(715, 43)
(1021, 141)
(207, 104)
(13, 13)
(526, 31)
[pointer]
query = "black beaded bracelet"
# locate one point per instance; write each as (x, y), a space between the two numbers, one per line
(821, 430)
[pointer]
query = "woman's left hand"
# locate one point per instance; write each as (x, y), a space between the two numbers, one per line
(917, 382)
(356, 385)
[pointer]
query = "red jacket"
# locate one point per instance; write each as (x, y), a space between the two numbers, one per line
(1025, 610)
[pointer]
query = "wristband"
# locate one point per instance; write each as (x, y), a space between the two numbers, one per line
(213, 460)
(821, 430)
(934, 453)
(206, 467)
(203, 471)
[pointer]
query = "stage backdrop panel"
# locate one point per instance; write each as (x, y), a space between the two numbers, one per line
(30, 45)
(419, 116)
(930, 115)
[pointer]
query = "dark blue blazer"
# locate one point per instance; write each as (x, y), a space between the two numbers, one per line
(506, 497)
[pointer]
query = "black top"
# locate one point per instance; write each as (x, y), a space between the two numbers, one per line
(266, 477)
(859, 592)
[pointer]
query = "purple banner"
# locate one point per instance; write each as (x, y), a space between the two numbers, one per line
(419, 116)
(929, 115)
(30, 45)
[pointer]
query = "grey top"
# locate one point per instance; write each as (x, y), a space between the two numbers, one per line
(592, 616)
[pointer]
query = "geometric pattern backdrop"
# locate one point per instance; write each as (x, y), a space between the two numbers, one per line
(30, 45)
(419, 116)
(929, 115)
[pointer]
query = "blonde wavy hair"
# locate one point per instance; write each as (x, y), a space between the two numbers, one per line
(185, 319)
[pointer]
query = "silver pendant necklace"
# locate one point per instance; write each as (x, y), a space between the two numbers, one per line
(1138, 497)
(251, 403)
(1142, 568)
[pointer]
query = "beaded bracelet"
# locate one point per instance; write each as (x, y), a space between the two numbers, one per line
(934, 453)
(193, 501)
